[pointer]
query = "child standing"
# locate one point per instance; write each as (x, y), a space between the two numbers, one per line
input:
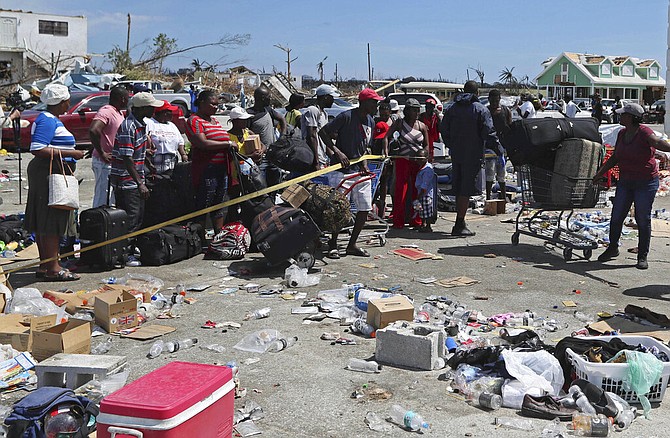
(425, 183)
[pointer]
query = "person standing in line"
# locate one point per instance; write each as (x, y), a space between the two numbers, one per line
(102, 132)
(353, 130)
(50, 141)
(413, 137)
(166, 139)
(467, 130)
(432, 122)
(128, 161)
(617, 105)
(597, 110)
(571, 108)
(293, 116)
(494, 163)
(314, 119)
(634, 152)
(262, 123)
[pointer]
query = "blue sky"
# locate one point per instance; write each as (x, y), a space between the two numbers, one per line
(423, 38)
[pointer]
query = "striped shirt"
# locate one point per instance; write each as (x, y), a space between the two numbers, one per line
(131, 141)
(213, 131)
(47, 131)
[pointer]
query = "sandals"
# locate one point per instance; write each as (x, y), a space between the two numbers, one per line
(62, 275)
(333, 253)
(358, 252)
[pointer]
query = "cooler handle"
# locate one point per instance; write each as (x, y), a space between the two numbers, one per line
(113, 430)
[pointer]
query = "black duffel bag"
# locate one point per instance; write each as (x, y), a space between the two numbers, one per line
(291, 153)
(170, 244)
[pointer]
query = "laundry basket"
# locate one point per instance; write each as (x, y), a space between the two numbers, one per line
(610, 376)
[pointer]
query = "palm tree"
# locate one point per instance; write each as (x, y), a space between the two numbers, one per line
(507, 78)
(196, 64)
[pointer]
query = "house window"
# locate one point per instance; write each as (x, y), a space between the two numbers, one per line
(627, 70)
(606, 69)
(564, 72)
(653, 72)
(5, 70)
(631, 93)
(58, 28)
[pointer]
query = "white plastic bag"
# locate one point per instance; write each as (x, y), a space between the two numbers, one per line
(536, 369)
(29, 301)
(296, 276)
(258, 342)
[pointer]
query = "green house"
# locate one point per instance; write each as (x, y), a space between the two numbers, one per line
(582, 75)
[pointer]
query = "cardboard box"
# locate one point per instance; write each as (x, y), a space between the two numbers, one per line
(116, 311)
(73, 337)
(17, 330)
(494, 207)
(383, 311)
(71, 301)
(295, 195)
(251, 144)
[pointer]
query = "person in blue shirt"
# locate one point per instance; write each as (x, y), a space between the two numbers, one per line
(425, 188)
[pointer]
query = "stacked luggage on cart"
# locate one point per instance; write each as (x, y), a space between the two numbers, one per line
(556, 160)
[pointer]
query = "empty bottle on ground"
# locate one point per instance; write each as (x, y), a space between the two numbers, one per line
(408, 419)
(363, 366)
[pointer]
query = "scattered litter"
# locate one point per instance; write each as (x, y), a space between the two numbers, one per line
(345, 341)
(228, 290)
(490, 256)
(426, 280)
(410, 245)
(412, 254)
(247, 428)
(368, 265)
(199, 287)
(378, 277)
(376, 423)
(457, 281)
(304, 310)
(330, 336)
(569, 303)
(481, 298)
(251, 287)
(217, 348)
(296, 276)
(250, 361)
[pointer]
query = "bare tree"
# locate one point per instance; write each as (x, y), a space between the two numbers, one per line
(319, 68)
(480, 74)
(508, 79)
(226, 42)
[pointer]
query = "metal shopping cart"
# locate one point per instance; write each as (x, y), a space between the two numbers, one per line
(545, 191)
(376, 228)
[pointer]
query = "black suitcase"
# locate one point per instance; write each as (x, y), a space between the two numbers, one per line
(170, 244)
(533, 141)
(185, 192)
(163, 203)
(252, 181)
(98, 225)
(283, 232)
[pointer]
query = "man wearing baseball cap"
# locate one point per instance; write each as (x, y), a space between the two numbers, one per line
(353, 130)
(314, 119)
(128, 155)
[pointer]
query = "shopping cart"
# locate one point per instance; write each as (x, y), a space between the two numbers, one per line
(376, 228)
(545, 191)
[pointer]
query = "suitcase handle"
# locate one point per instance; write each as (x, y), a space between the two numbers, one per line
(113, 430)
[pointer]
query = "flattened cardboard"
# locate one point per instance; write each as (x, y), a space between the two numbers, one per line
(17, 330)
(72, 337)
(114, 311)
(149, 332)
(251, 144)
(383, 311)
(295, 195)
(457, 281)
(29, 253)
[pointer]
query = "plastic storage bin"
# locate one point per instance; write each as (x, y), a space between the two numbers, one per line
(610, 376)
(180, 399)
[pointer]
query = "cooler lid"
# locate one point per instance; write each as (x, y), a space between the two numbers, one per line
(167, 391)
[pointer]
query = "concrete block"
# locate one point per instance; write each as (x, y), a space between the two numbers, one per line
(410, 345)
(74, 370)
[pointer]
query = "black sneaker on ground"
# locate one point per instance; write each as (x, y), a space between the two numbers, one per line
(642, 262)
(461, 230)
(610, 253)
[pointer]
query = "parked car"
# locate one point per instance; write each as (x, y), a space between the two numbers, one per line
(77, 119)
(656, 113)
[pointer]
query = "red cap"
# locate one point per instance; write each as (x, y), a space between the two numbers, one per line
(165, 107)
(367, 94)
(431, 100)
(381, 128)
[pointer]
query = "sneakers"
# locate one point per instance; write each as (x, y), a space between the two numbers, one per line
(133, 262)
(642, 262)
(610, 253)
(461, 229)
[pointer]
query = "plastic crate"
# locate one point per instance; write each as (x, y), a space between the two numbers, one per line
(610, 376)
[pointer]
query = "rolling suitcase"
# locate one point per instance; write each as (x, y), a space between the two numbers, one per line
(163, 204)
(185, 192)
(281, 233)
(98, 225)
(170, 244)
(577, 161)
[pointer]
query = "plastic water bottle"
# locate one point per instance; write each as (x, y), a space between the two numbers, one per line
(8, 254)
(363, 366)
(172, 346)
(582, 402)
(361, 326)
(103, 347)
(258, 314)
(408, 419)
(156, 349)
(352, 288)
(590, 425)
(282, 344)
(159, 301)
(485, 399)
(514, 423)
(362, 296)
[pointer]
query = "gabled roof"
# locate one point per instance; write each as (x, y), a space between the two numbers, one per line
(580, 60)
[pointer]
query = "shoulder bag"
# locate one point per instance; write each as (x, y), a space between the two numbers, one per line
(63, 189)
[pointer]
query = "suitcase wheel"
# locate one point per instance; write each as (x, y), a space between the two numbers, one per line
(305, 259)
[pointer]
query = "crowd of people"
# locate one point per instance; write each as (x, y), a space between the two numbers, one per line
(127, 149)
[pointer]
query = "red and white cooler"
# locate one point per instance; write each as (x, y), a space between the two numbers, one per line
(180, 399)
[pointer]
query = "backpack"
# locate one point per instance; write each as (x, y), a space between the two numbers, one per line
(291, 153)
(27, 419)
(231, 243)
(329, 208)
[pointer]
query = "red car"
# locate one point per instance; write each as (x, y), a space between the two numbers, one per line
(83, 107)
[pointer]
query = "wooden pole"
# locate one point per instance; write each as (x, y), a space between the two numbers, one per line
(369, 65)
(128, 36)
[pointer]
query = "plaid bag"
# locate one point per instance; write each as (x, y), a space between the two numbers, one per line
(231, 243)
(329, 208)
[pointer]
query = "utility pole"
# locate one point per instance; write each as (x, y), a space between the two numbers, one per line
(288, 60)
(369, 65)
(336, 74)
(128, 37)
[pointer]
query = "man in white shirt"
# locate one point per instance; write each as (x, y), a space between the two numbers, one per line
(314, 119)
(571, 109)
(527, 109)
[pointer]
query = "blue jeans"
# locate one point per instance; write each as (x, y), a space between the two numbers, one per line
(641, 193)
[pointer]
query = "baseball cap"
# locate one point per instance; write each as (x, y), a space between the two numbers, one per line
(395, 106)
(145, 99)
(367, 94)
(239, 113)
(431, 100)
(412, 103)
(381, 129)
(631, 108)
(166, 106)
(327, 90)
(53, 94)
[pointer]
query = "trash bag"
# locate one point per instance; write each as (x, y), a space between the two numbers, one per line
(258, 342)
(644, 371)
(537, 369)
(29, 301)
(296, 276)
